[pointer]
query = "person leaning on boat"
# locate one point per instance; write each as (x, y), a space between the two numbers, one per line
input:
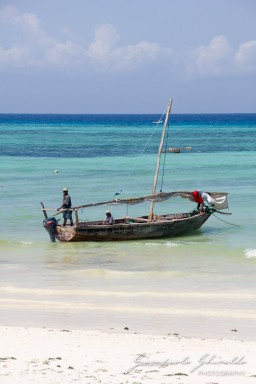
(109, 218)
(67, 215)
(202, 199)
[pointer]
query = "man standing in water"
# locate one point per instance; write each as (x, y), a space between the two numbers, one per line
(65, 205)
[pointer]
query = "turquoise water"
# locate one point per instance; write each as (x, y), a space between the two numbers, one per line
(204, 278)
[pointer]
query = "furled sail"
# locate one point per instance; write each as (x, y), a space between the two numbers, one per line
(218, 199)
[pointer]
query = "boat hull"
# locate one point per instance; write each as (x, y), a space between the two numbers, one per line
(137, 229)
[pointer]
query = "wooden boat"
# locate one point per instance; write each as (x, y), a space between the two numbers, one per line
(176, 150)
(151, 226)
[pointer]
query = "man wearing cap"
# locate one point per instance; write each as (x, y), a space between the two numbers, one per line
(109, 218)
(66, 205)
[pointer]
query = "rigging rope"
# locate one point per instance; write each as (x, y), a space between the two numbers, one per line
(226, 222)
(164, 162)
(141, 153)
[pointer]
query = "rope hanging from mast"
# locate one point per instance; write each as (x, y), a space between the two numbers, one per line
(141, 153)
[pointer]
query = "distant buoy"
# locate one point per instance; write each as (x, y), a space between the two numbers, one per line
(56, 171)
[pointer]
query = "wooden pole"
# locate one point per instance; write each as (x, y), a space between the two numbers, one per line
(76, 218)
(44, 211)
(150, 216)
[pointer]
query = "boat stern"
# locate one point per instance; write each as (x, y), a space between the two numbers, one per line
(50, 224)
(65, 233)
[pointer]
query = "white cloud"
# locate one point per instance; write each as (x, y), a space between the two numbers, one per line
(141, 53)
(64, 55)
(17, 55)
(29, 40)
(43, 50)
(245, 57)
(29, 45)
(105, 51)
(10, 16)
(105, 41)
(218, 58)
(214, 59)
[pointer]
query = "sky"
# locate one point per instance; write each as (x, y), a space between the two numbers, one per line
(120, 56)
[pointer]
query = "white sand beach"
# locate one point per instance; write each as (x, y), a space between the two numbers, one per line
(44, 355)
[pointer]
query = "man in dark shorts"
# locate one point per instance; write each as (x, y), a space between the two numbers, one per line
(67, 215)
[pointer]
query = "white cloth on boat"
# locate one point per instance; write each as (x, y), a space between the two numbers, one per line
(218, 202)
(207, 199)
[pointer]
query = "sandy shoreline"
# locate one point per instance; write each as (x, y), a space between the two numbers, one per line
(44, 355)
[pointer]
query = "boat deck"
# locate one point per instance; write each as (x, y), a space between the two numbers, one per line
(133, 220)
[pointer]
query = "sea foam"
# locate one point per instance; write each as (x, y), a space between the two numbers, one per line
(250, 253)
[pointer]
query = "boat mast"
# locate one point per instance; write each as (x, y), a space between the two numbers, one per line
(150, 216)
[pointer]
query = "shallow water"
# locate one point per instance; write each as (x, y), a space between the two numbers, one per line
(201, 282)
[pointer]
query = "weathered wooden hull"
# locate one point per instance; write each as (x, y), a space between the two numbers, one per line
(166, 226)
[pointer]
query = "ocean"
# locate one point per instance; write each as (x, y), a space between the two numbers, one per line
(202, 283)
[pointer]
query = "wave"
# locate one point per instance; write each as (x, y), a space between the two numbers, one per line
(166, 244)
(237, 295)
(55, 305)
(249, 253)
